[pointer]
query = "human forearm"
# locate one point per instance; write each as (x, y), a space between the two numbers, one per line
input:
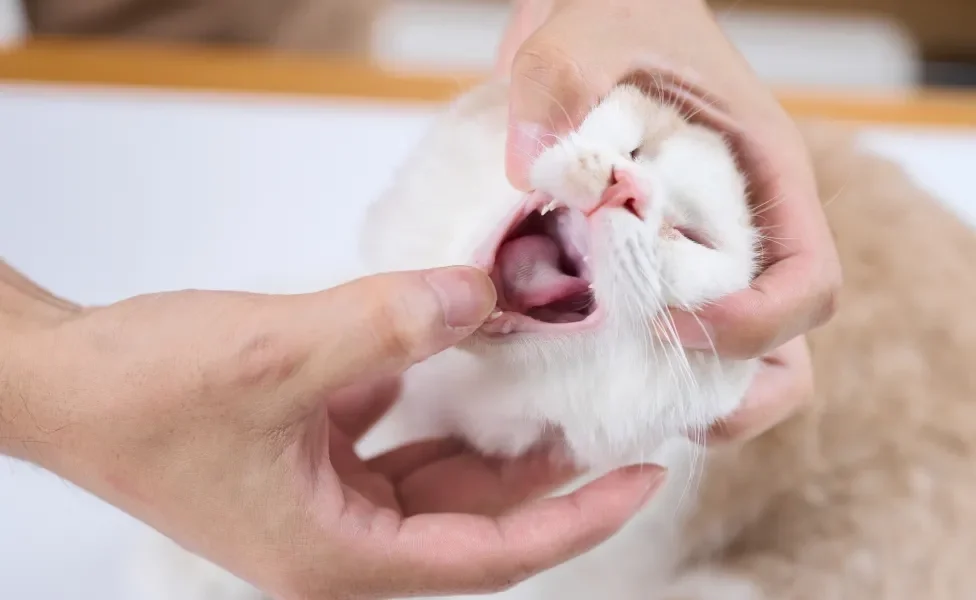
(25, 310)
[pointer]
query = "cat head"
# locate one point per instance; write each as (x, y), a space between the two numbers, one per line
(635, 211)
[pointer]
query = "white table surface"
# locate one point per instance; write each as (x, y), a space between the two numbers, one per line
(108, 194)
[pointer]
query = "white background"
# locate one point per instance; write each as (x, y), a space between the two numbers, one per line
(105, 195)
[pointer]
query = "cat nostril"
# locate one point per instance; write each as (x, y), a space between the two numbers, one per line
(624, 192)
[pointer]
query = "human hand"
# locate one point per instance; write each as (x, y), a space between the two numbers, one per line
(227, 421)
(563, 55)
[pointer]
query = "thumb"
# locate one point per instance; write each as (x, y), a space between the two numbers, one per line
(526, 16)
(548, 96)
(383, 324)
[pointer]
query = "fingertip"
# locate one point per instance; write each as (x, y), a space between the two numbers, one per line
(548, 95)
(693, 331)
(526, 141)
(594, 512)
(740, 326)
(493, 554)
(635, 484)
(383, 324)
(546, 533)
(466, 295)
(783, 385)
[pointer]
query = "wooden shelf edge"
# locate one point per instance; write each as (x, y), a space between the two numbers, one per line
(223, 70)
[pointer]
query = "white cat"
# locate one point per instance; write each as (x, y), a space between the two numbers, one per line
(635, 211)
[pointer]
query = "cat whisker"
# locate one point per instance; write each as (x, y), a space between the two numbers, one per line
(834, 198)
(768, 204)
(778, 241)
(570, 122)
(639, 257)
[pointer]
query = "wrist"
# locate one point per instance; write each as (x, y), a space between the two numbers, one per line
(26, 312)
(23, 302)
(14, 397)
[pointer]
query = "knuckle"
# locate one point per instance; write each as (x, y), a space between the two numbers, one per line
(547, 64)
(394, 340)
(748, 334)
(759, 341)
(265, 358)
(400, 324)
(829, 299)
(827, 307)
(546, 73)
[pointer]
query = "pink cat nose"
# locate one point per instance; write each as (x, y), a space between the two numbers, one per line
(623, 192)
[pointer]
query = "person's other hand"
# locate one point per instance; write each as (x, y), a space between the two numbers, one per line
(228, 421)
(562, 56)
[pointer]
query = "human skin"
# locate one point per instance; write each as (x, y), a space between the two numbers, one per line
(563, 55)
(228, 420)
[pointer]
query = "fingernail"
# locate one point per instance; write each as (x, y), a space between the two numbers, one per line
(466, 295)
(526, 141)
(653, 477)
(693, 332)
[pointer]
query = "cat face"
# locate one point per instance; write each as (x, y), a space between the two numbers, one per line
(635, 211)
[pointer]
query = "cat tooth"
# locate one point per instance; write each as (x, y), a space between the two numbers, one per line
(495, 315)
(548, 208)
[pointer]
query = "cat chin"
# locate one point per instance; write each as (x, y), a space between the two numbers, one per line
(606, 411)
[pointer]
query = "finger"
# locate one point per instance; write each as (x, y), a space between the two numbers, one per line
(549, 94)
(356, 408)
(400, 462)
(783, 385)
(468, 483)
(797, 290)
(788, 299)
(379, 326)
(467, 554)
(525, 18)
(356, 481)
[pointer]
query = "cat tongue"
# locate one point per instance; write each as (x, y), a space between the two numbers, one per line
(529, 273)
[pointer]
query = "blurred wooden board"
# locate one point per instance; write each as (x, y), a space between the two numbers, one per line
(200, 69)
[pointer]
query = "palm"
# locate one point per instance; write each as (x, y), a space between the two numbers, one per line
(436, 476)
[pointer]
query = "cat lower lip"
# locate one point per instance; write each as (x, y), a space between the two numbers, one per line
(502, 323)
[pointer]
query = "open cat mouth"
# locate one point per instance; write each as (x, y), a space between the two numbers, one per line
(538, 263)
